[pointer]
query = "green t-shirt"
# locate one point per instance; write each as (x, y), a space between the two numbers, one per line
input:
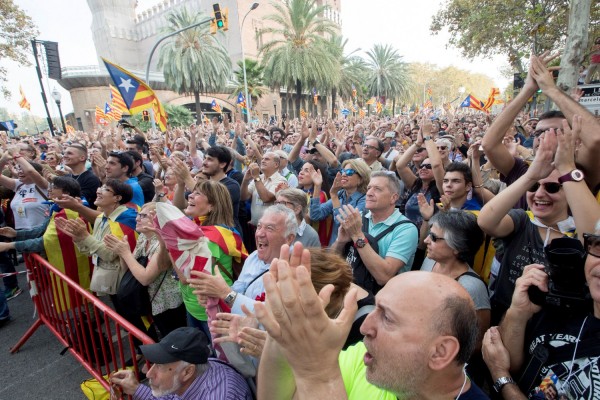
(189, 298)
(354, 373)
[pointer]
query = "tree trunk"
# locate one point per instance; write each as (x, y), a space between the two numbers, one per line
(576, 44)
(298, 96)
(393, 106)
(333, 99)
(198, 106)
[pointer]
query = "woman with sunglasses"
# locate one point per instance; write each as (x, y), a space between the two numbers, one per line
(452, 242)
(349, 187)
(163, 294)
(552, 185)
(314, 175)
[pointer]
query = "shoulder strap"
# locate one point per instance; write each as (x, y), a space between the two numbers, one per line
(474, 275)
(41, 193)
(364, 310)
(256, 277)
(392, 227)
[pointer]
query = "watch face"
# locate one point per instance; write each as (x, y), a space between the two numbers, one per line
(577, 175)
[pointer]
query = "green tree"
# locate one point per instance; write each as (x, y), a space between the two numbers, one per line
(179, 116)
(254, 78)
(507, 27)
(298, 55)
(388, 75)
(16, 31)
(194, 61)
(353, 70)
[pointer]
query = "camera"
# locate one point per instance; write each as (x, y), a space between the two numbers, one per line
(567, 288)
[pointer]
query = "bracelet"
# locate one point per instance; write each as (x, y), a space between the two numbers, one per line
(17, 156)
(477, 186)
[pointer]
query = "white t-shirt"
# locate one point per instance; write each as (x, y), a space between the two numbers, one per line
(27, 206)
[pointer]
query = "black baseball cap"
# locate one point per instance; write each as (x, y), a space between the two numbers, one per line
(182, 344)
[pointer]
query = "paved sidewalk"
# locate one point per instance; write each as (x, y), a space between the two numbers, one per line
(37, 371)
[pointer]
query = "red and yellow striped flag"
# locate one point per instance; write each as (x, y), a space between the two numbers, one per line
(160, 115)
(361, 113)
(116, 99)
(491, 98)
(303, 113)
(379, 107)
(24, 103)
(371, 101)
(101, 117)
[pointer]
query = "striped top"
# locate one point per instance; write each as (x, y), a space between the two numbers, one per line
(219, 382)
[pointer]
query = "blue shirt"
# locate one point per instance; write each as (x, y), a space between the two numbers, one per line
(401, 243)
(248, 286)
(320, 211)
(138, 194)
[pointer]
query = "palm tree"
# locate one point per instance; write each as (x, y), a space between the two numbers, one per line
(353, 70)
(298, 56)
(388, 75)
(194, 61)
(179, 116)
(254, 78)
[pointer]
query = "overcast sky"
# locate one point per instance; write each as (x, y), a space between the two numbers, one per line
(403, 24)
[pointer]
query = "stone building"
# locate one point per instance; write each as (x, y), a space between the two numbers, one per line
(125, 36)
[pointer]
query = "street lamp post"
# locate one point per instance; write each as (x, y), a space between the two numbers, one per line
(56, 96)
(254, 6)
(275, 108)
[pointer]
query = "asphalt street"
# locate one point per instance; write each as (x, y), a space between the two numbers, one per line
(37, 371)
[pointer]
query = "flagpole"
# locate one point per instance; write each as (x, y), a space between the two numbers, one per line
(39, 73)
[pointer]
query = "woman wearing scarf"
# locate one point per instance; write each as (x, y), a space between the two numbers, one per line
(59, 248)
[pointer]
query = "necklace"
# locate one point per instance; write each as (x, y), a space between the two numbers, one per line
(464, 383)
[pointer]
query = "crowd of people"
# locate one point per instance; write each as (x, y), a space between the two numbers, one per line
(435, 255)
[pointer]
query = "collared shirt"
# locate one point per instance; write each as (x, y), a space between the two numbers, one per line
(219, 382)
(258, 207)
(138, 193)
(248, 287)
(319, 211)
(401, 243)
(307, 235)
(291, 178)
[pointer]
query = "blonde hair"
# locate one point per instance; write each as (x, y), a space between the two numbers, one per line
(327, 267)
(363, 171)
(219, 198)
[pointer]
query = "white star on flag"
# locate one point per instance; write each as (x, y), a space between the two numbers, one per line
(126, 84)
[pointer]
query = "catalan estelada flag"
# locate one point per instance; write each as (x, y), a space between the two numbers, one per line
(371, 101)
(216, 107)
(101, 117)
(491, 100)
(353, 91)
(136, 95)
(116, 99)
(160, 115)
(241, 102)
(24, 103)
(472, 102)
(124, 225)
(64, 255)
(108, 111)
(315, 96)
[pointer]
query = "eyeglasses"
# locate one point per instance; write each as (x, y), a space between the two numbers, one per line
(348, 172)
(550, 187)
(141, 215)
(285, 203)
(425, 166)
(421, 149)
(442, 147)
(106, 189)
(369, 147)
(434, 237)
(591, 243)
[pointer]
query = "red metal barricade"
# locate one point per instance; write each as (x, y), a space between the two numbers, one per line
(99, 338)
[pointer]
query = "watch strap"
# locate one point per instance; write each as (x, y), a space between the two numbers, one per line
(574, 175)
(501, 382)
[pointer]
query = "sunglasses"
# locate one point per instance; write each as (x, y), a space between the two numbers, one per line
(426, 166)
(550, 187)
(421, 149)
(591, 243)
(539, 132)
(434, 237)
(348, 172)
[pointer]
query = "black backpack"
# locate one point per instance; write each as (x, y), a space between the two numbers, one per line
(362, 276)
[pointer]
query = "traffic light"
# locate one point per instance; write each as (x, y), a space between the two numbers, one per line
(145, 115)
(220, 19)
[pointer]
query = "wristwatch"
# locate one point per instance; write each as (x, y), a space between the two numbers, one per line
(230, 298)
(500, 382)
(426, 138)
(576, 176)
(360, 243)
(256, 179)
(315, 143)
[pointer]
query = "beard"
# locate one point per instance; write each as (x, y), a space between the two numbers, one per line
(163, 392)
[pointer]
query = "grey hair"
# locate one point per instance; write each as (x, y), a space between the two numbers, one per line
(276, 157)
(393, 182)
(200, 368)
(297, 197)
(291, 223)
(461, 232)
